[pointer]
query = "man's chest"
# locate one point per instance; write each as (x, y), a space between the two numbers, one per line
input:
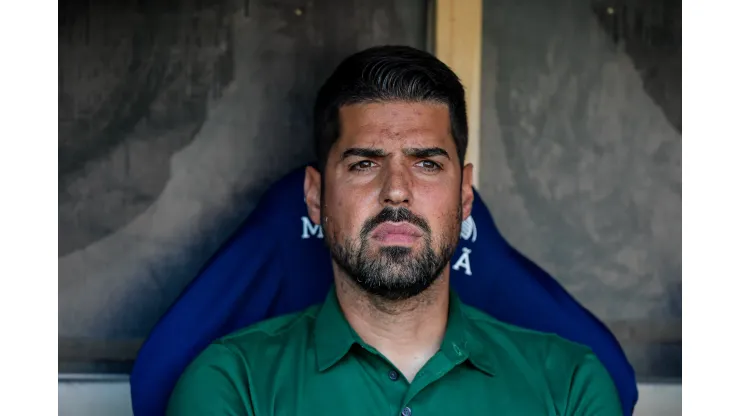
(352, 393)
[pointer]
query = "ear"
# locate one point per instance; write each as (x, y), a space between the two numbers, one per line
(312, 194)
(467, 195)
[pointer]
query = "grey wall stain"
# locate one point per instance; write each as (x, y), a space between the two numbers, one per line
(135, 83)
(580, 167)
(118, 281)
(650, 32)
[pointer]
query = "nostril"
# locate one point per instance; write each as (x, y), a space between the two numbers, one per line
(394, 202)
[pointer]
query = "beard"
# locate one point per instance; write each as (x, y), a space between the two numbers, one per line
(394, 272)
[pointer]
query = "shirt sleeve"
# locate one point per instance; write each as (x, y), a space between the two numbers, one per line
(592, 391)
(215, 383)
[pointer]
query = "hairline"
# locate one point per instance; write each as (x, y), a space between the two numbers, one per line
(392, 100)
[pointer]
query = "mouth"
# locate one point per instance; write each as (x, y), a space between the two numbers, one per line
(396, 233)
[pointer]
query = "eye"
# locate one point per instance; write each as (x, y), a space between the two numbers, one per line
(429, 166)
(362, 165)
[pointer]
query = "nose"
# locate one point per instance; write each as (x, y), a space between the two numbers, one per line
(396, 186)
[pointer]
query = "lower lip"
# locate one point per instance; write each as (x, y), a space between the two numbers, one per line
(398, 239)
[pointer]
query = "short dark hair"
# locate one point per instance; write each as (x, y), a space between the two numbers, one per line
(388, 73)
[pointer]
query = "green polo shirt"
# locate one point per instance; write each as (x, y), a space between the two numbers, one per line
(314, 363)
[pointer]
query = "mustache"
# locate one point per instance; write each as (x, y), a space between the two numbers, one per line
(400, 214)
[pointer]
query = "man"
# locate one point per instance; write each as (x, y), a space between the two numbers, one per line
(391, 191)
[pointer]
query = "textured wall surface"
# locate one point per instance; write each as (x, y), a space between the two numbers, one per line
(174, 118)
(111, 396)
(581, 165)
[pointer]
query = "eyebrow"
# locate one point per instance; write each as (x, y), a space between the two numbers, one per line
(363, 152)
(418, 152)
(425, 152)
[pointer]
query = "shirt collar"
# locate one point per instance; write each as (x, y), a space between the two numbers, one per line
(333, 336)
(463, 341)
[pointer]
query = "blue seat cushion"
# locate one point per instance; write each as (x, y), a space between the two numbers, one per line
(277, 263)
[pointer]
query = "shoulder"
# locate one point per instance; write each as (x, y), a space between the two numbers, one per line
(275, 332)
(254, 344)
(554, 359)
(219, 379)
(524, 341)
(572, 374)
(277, 327)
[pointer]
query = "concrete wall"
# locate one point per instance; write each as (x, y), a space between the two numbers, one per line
(581, 162)
(89, 395)
(174, 118)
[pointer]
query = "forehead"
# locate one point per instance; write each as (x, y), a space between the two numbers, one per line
(404, 124)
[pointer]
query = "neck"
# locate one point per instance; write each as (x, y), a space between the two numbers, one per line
(407, 332)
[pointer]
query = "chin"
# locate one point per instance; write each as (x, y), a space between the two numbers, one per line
(398, 287)
(408, 245)
(395, 251)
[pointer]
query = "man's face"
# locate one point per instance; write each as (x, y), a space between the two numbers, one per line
(393, 197)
